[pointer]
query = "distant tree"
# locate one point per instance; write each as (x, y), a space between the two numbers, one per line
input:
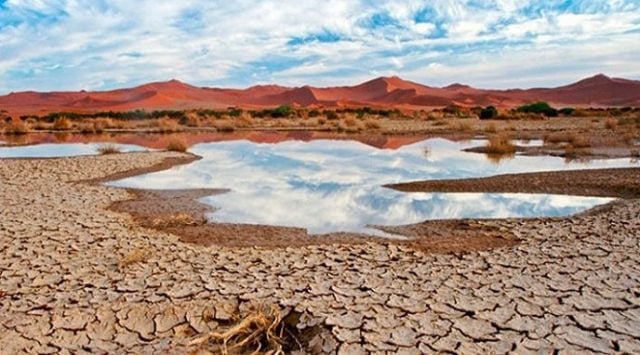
(314, 113)
(567, 111)
(331, 115)
(488, 113)
(282, 111)
(234, 111)
(539, 107)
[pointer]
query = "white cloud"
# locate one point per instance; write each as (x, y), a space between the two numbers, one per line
(82, 44)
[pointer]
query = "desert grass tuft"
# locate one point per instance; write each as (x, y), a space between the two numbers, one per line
(499, 147)
(372, 124)
(611, 123)
(16, 128)
(105, 149)
(167, 125)
(500, 144)
(177, 145)
(491, 128)
(62, 124)
(461, 126)
(350, 121)
(134, 257)
(260, 330)
(224, 126)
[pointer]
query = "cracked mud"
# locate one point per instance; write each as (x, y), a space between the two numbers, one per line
(570, 284)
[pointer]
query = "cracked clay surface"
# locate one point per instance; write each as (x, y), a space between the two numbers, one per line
(571, 285)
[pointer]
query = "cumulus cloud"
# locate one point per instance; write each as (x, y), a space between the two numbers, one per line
(100, 44)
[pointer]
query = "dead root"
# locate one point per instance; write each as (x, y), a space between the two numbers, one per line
(260, 331)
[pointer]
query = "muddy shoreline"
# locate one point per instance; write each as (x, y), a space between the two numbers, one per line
(178, 212)
(620, 183)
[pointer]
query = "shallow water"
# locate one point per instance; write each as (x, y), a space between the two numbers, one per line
(60, 150)
(330, 185)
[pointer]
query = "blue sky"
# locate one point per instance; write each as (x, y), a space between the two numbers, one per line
(100, 44)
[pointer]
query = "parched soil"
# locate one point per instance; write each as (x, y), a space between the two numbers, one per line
(76, 277)
(622, 183)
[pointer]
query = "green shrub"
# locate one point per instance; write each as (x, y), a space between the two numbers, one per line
(539, 107)
(567, 111)
(488, 113)
(282, 111)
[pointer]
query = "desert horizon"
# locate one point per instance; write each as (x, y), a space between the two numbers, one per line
(382, 92)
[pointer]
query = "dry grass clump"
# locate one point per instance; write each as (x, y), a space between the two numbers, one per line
(16, 127)
(260, 331)
(167, 125)
(136, 256)
(177, 145)
(557, 137)
(224, 126)
(571, 138)
(192, 120)
(491, 128)
(244, 121)
(372, 124)
(579, 141)
(109, 148)
(611, 123)
(350, 121)
(462, 126)
(62, 124)
(500, 144)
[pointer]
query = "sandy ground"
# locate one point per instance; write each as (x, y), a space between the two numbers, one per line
(570, 284)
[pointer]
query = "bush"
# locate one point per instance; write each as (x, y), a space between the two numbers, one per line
(539, 107)
(500, 144)
(488, 113)
(62, 124)
(167, 125)
(611, 123)
(350, 121)
(314, 113)
(372, 124)
(224, 126)
(16, 127)
(567, 111)
(331, 115)
(234, 112)
(282, 111)
(108, 149)
(177, 145)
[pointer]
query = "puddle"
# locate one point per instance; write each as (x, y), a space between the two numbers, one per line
(528, 142)
(336, 185)
(60, 150)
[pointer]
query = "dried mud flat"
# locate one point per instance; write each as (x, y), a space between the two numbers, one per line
(76, 277)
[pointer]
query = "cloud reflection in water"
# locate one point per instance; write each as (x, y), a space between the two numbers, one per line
(329, 185)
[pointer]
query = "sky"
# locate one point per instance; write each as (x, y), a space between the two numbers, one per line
(50, 45)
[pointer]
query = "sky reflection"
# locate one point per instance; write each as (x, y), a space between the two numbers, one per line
(60, 150)
(329, 186)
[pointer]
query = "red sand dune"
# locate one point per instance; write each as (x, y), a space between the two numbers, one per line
(387, 92)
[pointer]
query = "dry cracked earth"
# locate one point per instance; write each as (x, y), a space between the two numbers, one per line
(571, 285)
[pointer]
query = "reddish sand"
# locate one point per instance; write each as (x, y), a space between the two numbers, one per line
(388, 92)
